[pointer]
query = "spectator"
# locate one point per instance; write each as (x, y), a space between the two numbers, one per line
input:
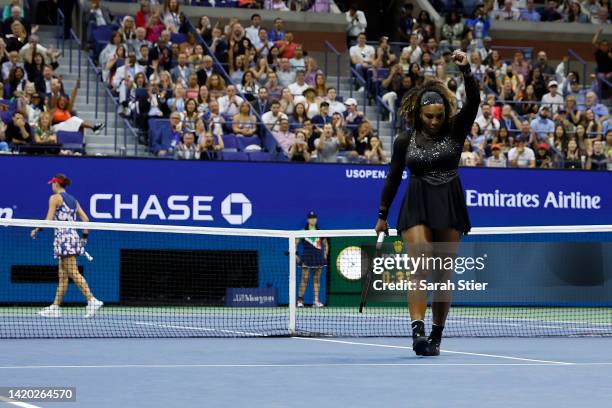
(521, 155)
(542, 126)
(190, 115)
(596, 158)
(323, 117)
(312, 69)
(252, 31)
(17, 16)
(155, 27)
(210, 147)
(327, 145)
(298, 117)
(542, 157)
(285, 75)
(297, 62)
(452, 30)
(173, 18)
(497, 159)
(592, 125)
(298, 152)
(552, 99)
(18, 37)
(277, 5)
(487, 122)
(507, 13)
(334, 104)
(550, 12)
(468, 157)
(16, 83)
(299, 86)
(248, 86)
(478, 26)
(177, 102)
(600, 110)
(407, 22)
(214, 119)
(18, 132)
(143, 14)
(536, 80)
(35, 108)
(243, 123)
(62, 117)
(375, 154)
(477, 139)
(219, 46)
(310, 102)
(352, 116)
(530, 13)
(362, 56)
(576, 92)
(110, 49)
(286, 47)
(284, 137)
(356, 24)
(187, 149)
(229, 104)
(273, 118)
(7, 11)
(546, 70)
(275, 90)
(572, 159)
(277, 34)
(182, 71)
(97, 16)
(262, 44)
(166, 143)
(286, 101)
(520, 65)
(206, 70)
(261, 104)
(576, 15)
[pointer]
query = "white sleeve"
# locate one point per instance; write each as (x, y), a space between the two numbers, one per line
(512, 154)
(362, 22)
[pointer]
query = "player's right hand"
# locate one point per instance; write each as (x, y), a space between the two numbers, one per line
(381, 226)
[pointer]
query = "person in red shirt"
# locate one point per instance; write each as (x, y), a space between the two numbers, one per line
(287, 47)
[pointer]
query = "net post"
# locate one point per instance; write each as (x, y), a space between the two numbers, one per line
(292, 284)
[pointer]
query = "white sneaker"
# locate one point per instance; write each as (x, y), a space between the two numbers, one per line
(317, 304)
(300, 303)
(92, 307)
(51, 311)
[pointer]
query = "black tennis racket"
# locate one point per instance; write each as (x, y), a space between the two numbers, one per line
(368, 277)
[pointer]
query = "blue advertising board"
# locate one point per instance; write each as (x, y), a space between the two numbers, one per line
(255, 195)
(279, 195)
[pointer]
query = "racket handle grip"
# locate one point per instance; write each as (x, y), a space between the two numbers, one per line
(380, 239)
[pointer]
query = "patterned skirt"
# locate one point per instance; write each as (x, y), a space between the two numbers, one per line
(67, 242)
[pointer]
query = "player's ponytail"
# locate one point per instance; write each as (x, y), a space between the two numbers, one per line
(62, 180)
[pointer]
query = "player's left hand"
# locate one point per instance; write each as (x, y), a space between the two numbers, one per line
(460, 57)
(34, 233)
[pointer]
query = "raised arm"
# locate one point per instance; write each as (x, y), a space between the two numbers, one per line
(394, 178)
(463, 121)
(73, 96)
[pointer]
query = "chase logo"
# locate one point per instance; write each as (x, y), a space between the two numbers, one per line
(233, 202)
(6, 213)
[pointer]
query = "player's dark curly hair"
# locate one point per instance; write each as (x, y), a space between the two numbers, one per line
(410, 108)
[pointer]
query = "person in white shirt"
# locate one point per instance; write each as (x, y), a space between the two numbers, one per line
(252, 31)
(362, 56)
(273, 118)
(487, 122)
(521, 155)
(413, 50)
(13, 62)
(299, 86)
(508, 12)
(228, 104)
(334, 105)
(497, 158)
(553, 99)
(356, 24)
(298, 62)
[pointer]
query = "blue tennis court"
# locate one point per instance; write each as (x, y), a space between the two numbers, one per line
(306, 372)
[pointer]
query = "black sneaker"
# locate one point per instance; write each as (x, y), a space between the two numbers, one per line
(433, 347)
(98, 127)
(419, 341)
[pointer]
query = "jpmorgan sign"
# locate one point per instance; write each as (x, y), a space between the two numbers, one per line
(236, 208)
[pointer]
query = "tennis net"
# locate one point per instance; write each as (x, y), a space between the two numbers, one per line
(171, 281)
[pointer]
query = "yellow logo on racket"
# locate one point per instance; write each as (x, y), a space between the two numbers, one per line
(398, 246)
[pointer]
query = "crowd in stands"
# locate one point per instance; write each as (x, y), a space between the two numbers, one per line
(534, 113)
(36, 110)
(270, 92)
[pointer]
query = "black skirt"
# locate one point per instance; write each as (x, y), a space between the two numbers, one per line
(436, 206)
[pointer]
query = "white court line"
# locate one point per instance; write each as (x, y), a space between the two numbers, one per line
(442, 351)
(18, 403)
(171, 326)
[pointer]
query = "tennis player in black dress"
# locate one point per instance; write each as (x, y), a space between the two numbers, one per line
(433, 209)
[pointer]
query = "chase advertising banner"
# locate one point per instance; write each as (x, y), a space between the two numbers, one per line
(279, 195)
